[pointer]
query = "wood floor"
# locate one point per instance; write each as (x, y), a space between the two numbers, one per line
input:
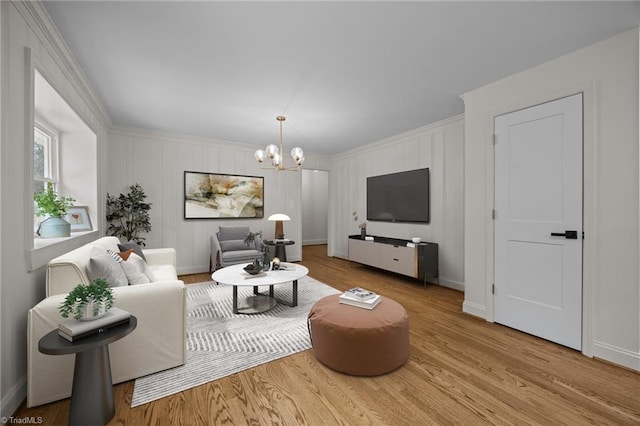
(462, 370)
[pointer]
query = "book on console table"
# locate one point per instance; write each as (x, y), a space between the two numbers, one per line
(73, 329)
(365, 304)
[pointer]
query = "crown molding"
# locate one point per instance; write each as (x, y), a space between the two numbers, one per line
(438, 125)
(38, 19)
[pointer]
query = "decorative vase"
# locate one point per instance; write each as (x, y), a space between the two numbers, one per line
(88, 313)
(266, 261)
(54, 227)
(363, 233)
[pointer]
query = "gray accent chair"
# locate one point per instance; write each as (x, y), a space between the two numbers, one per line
(228, 247)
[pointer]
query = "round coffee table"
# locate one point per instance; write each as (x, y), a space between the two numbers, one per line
(236, 276)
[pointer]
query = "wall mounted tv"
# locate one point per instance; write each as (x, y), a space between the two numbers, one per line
(399, 197)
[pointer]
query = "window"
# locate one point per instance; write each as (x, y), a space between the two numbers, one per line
(44, 156)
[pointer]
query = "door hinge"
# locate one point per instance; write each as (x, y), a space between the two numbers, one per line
(494, 141)
(493, 214)
(493, 289)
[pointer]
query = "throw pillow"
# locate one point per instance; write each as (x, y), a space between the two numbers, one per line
(115, 255)
(132, 245)
(102, 265)
(134, 267)
(233, 245)
(125, 254)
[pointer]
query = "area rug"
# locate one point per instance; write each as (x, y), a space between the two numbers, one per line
(221, 343)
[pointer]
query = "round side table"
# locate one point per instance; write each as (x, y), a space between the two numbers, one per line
(92, 392)
(280, 251)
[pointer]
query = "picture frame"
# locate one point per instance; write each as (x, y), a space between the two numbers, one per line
(223, 196)
(78, 217)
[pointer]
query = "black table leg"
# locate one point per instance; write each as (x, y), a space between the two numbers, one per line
(235, 299)
(92, 394)
(295, 293)
(281, 252)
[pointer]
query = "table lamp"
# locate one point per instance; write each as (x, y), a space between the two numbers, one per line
(279, 218)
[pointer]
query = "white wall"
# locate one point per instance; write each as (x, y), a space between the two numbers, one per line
(157, 161)
(607, 74)
(315, 206)
(438, 146)
(25, 25)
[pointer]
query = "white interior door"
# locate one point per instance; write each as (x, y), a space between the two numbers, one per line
(538, 193)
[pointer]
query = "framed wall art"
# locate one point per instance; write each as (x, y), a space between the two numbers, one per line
(221, 196)
(78, 217)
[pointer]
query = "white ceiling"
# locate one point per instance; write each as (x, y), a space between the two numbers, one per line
(344, 73)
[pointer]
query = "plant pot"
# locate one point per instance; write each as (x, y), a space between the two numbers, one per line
(88, 313)
(54, 227)
(363, 233)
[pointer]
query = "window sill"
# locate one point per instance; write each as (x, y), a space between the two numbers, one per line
(45, 249)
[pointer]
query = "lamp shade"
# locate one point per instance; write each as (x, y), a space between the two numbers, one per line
(279, 216)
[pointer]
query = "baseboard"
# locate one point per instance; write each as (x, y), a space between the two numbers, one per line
(12, 400)
(616, 355)
(193, 270)
(474, 309)
(314, 242)
(455, 285)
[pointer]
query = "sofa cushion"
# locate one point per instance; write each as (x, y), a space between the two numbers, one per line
(132, 245)
(233, 233)
(232, 245)
(163, 272)
(102, 265)
(238, 256)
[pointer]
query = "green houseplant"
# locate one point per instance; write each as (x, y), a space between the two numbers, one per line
(55, 207)
(88, 302)
(264, 248)
(128, 215)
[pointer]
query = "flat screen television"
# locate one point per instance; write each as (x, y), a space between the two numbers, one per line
(399, 197)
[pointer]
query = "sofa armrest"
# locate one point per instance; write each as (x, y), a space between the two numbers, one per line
(161, 256)
(158, 342)
(215, 254)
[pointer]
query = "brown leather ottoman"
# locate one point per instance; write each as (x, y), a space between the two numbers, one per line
(358, 341)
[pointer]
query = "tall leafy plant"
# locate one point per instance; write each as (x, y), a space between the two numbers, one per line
(128, 215)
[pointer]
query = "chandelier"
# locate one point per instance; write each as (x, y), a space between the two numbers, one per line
(276, 155)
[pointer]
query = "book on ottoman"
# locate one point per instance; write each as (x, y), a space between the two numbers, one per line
(366, 304)
(73, 329)
(358, 293)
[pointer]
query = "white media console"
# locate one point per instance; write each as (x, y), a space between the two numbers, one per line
(392, 254)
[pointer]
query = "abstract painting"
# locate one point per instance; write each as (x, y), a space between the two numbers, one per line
(220, 196)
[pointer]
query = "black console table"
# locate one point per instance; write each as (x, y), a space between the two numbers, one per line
(392, 254)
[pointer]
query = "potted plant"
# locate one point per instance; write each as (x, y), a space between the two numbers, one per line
(88, 302)
(55, 207)
(264, 248)
(128, 215)
(362, 226)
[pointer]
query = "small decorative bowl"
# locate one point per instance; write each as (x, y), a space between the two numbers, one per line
(416, 240)
(252, 270)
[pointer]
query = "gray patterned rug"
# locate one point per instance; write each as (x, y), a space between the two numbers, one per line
(220, 343)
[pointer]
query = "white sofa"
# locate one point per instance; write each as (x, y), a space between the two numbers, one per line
(158, 342)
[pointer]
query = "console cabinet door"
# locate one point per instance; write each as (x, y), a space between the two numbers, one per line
(362, 251)
(399, 259)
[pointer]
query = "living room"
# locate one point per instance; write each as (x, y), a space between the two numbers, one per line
(455, 148)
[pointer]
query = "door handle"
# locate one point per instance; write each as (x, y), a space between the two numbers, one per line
(569, 235)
